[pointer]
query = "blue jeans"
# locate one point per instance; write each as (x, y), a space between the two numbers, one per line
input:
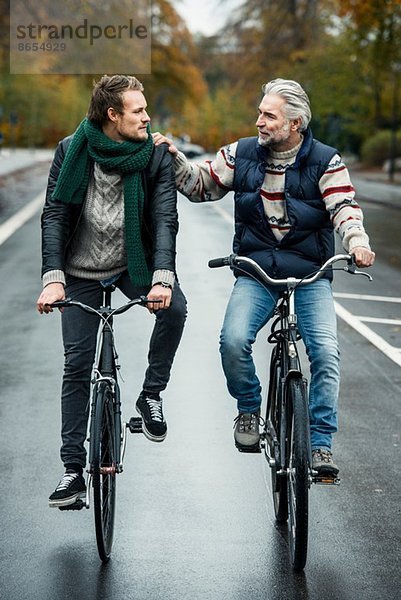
(249, 309)
(79, 339)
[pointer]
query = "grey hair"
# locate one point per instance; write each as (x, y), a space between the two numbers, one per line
(297, 104)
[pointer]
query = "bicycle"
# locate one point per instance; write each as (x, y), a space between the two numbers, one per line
(107, 432)
(285, 438)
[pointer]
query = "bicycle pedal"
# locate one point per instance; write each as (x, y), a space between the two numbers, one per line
(249, 449)
(326, 480)
(78, 505)
(135, 425)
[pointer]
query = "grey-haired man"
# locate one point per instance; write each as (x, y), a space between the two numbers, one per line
(291, 193)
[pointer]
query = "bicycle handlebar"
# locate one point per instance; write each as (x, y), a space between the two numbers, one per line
(215, 263)
(234, 260)
(142, 300)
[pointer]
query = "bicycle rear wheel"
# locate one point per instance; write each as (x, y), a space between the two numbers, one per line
(276, 416)
(103, 446)
(298, 472)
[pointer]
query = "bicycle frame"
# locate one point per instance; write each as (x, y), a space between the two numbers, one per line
(285, 352)
(106, 370)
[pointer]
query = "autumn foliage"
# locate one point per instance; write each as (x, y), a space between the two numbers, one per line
(346, 53)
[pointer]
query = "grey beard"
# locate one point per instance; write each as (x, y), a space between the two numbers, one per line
(264, 141)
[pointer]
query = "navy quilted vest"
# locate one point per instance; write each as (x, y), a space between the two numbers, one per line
(310, 240)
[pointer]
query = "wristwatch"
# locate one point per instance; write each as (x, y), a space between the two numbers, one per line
(164, 284)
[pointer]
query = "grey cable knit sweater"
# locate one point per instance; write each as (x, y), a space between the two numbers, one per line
(97, 250)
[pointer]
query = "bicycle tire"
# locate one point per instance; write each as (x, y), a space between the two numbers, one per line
(298, 472)
(274, 414)
(103, 468)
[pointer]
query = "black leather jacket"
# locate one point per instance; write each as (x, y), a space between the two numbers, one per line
(160, 218)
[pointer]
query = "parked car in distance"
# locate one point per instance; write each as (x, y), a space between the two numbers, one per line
(184, 144)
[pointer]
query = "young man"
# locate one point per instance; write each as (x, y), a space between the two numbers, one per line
(291, 193)
(110, 217)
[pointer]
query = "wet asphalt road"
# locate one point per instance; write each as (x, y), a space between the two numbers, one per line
(195, 518)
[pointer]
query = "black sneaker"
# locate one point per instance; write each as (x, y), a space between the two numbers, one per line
(71, 489)
(150, 408)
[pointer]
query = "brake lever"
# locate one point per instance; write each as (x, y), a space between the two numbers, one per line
(363, 273)
(351, 268)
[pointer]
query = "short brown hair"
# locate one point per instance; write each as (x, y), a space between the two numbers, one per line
(108, 93)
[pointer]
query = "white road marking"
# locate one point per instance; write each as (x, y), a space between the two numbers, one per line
(379, 320)
(393, 353)
(20, 218)
(367, 297)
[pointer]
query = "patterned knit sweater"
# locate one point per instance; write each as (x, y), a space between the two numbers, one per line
(211, 180)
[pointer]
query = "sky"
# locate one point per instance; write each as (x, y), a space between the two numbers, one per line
(205, 16)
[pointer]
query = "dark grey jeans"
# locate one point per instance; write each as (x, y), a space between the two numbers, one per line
(79, 337)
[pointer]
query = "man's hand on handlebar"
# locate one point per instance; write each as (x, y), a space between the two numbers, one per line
(163, 296)
(51, 293)
(363, 256)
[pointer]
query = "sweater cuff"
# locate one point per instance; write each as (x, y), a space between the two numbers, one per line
(185, 176)
(54, 276)
(163, 276)
(354, 239)
(180, 161)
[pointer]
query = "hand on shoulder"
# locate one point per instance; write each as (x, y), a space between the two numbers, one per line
(159, 138)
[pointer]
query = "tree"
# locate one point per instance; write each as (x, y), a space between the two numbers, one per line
(175, 77)
(346, 54)
(374, 27)
(264, 39)
(51, 106)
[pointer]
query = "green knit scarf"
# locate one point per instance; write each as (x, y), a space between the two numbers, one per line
(129, 159)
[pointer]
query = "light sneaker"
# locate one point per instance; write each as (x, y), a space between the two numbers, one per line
(322, 462)
(246, 432)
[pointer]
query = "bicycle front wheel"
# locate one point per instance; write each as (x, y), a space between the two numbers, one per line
(298, 472)
(103, 463)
